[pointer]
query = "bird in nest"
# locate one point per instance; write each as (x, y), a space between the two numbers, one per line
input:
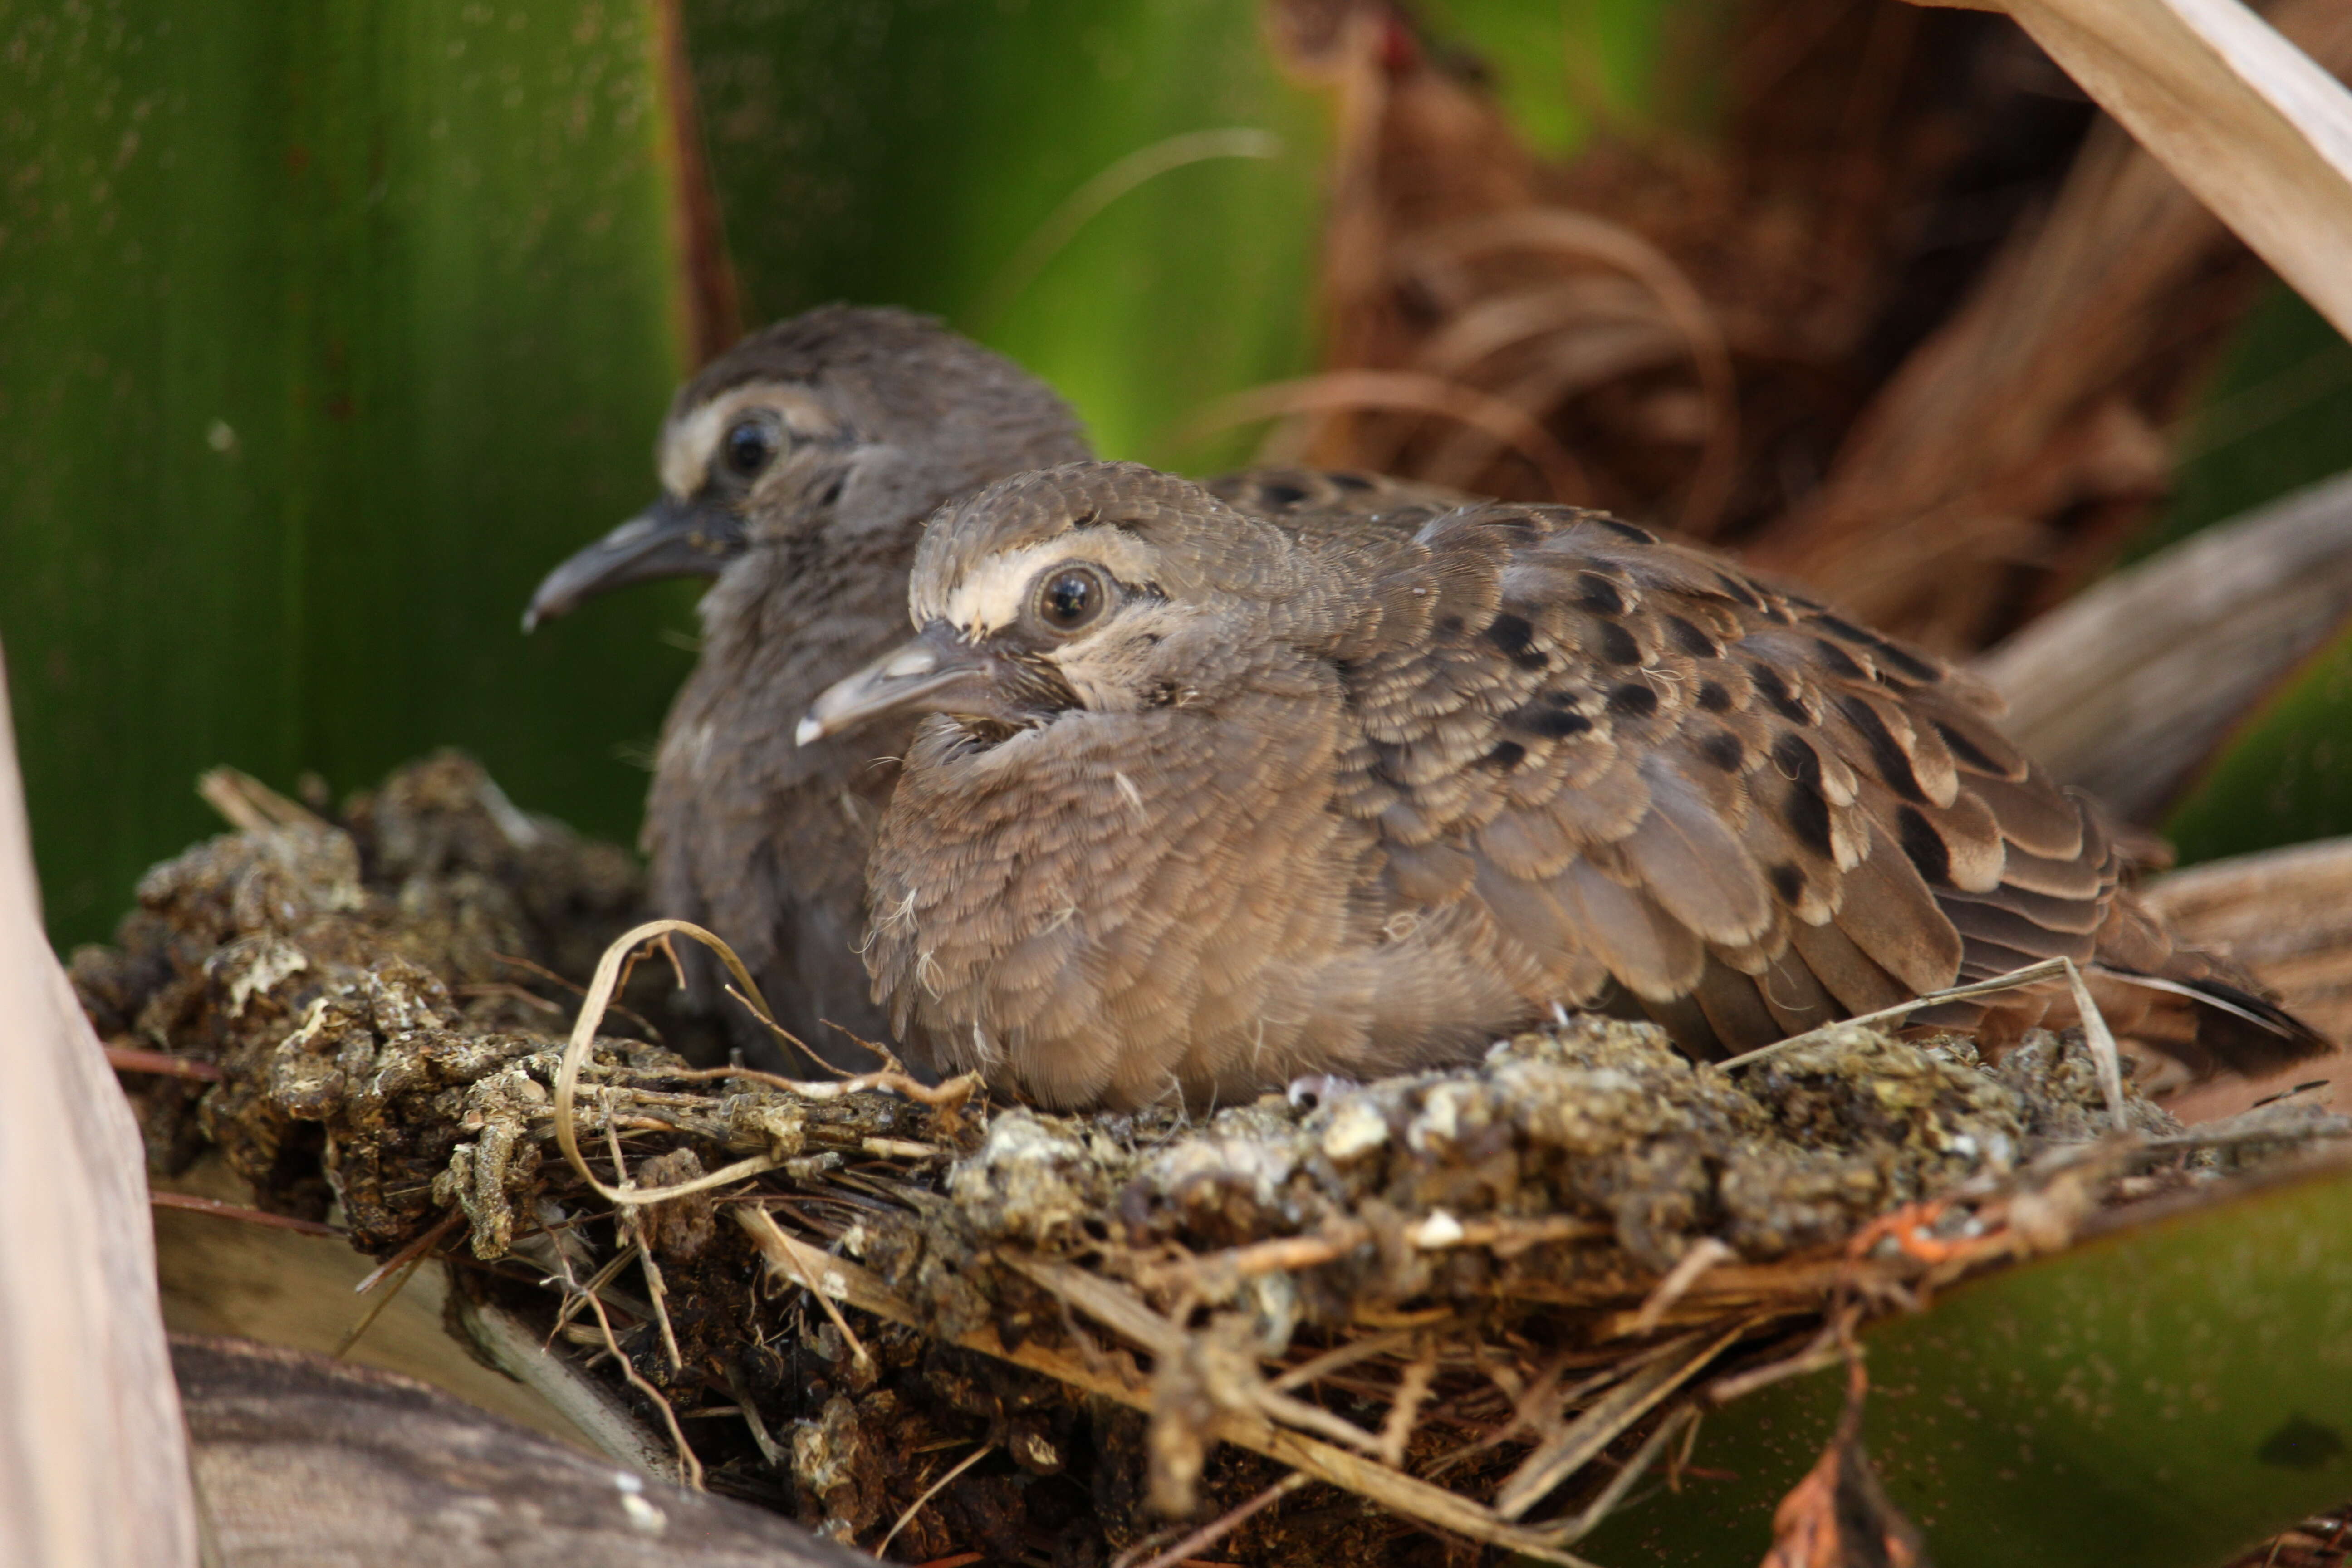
(1349, 779)
(797, 469)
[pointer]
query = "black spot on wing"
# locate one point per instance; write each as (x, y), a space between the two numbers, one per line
(1968, 752)
(1599, 595)
(1738, 591)
(1839, 662)
(1510, 632)
(1506, 755)
(1633, 699)
(1886, 653)
(1622, 530)
(1894, 764)
(1808, 809)
(1778, 693)
(1788, 881)
(1617, 645)
(1723, 749)
(1926, 847)
(1712, 697)
(1551, 719)
(1281, 494)
(1691, 640)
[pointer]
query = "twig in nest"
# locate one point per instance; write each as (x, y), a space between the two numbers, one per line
(1411, 1389)
(770, 1238)
(1826, 1349)
(514, 992)
(888, 1057)
(2102, 1043)
(1225, 1524)
(655, 1288)
(219, 1210)
(1219, 1274)
(1703, 1255)
(415, 1249)
(544, 972)
(132, 1058)
(584, 1040)
(967, 1462)
(250, 806)
(1395, 1490)
(1537, 1408)
(2097, 1035)
(631, 1014)
(597, 1281)
(376, 1308)
(1579, 1442)
(760, 1014)
(770, 1449)
(690, 1465)
(1341, 1357)
(953, 1092)
(1681, 1421)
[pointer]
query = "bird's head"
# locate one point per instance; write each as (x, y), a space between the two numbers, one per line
(1107, 587)
(833, 433)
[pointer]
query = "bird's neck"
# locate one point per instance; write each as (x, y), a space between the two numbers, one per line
(781, 625)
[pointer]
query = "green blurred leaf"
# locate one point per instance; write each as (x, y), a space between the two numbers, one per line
(2287, 776)
(2160, 1397)
(1563, 69)
(915, 154)
(2277, 417)
(324, 330)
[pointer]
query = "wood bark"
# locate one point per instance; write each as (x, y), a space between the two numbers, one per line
(300, 1459)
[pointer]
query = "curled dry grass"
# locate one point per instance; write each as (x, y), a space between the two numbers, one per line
(1760, 339)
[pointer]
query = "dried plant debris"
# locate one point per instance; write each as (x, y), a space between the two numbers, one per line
(433, 904)
(1894, 313)
(1348, 1325)
(2324, 1541)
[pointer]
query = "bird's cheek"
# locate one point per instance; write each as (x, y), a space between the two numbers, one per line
(1097, 694)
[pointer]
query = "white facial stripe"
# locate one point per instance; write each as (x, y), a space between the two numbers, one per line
(994, 593)
(688, 445)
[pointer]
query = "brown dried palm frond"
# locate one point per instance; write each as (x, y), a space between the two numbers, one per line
(1900, 327)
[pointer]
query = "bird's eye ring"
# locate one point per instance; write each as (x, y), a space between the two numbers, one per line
(1070, 597)
(749, 446)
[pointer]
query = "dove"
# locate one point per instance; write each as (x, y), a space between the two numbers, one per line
(1208, 797)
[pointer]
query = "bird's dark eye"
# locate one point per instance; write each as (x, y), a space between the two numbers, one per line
(1071, 597)
(748, 446)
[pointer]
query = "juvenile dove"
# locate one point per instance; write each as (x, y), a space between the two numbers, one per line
(797, 469)
(1210, 800)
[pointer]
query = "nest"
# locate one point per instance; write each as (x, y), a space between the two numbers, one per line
(1481, 1305)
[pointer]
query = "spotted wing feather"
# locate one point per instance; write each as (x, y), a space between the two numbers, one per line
(1660, 780)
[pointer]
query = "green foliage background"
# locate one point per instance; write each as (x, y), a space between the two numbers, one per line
(324, 330)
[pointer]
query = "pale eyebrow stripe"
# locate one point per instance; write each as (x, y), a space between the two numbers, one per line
(991, 594)
(688, 445)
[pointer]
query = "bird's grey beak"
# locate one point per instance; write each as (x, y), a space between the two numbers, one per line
(670, 538)
(911, 677)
